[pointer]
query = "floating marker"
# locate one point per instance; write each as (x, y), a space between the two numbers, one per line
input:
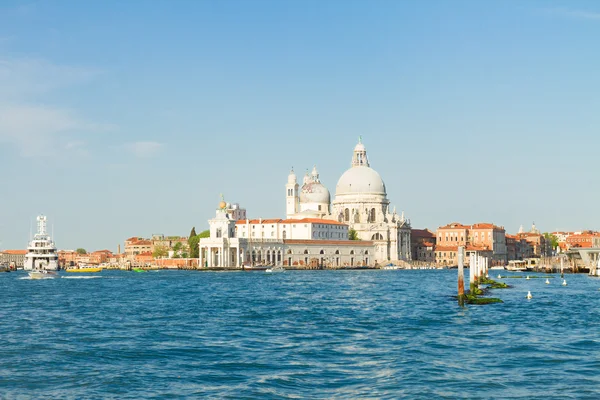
(500, 277)
(547, 282)
(564, 282)
(529, 296)
(527, 277)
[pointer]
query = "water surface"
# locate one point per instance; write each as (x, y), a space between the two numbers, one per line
(298, 334)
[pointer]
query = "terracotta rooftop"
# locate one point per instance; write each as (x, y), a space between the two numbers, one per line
(14, 252)
(424, 233)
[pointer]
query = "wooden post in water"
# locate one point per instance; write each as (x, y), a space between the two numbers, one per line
(472, 272)
(461, 277)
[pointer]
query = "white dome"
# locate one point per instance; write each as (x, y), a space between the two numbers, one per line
(360, 180)
(314, 192)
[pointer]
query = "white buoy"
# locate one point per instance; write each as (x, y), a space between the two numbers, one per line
(527, 277)
(547, 282)
(529, 296)
(486, 276)
(499, 276)
(564, 282)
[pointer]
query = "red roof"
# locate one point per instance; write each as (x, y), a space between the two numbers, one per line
(424, 233)
(446, 248)
(15, 252)
(454, 225)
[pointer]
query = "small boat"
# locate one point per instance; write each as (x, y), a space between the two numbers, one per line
(278, 268)
(41, 274)
(83, 268)
(390, 266)
(139, 270)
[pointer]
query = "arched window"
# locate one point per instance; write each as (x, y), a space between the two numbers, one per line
(337, 252)
(366, 252)
(346, 215)
(372, 216)
(322, 252)
(351, 252)
(289, 251)
(306, 252)
(284, 235)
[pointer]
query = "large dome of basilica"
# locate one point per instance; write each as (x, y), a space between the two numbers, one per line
(360, 180)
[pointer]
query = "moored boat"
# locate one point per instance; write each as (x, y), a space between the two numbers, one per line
(278, 268)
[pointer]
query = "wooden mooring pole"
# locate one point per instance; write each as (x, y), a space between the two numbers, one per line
(461, 278)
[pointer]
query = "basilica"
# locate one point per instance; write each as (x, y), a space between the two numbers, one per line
(357, 228)
(360, 202)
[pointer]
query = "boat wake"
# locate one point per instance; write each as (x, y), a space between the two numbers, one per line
(36, 279)
(81, 277)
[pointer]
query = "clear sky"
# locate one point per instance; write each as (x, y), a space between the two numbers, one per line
(128, 118)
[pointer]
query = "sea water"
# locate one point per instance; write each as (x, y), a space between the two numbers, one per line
(298, 334)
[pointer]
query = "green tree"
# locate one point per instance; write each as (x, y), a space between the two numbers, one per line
(204, 234)
(193, 232)
(81, 251)
(193, 242)
(552, 239)
(160, 251)
(352, 235)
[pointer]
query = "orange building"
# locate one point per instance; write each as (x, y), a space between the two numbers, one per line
(484, 239)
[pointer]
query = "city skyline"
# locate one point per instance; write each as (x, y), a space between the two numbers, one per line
(131, 120)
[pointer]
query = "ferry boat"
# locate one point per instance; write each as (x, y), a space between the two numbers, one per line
(41, 252)
(84, 268)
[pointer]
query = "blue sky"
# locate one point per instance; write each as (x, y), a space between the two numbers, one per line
(129, 118)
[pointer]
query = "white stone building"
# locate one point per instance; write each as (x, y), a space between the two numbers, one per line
(303, 243)
(360, 204)
(360, 201)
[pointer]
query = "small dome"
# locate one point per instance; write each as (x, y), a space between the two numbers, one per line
(314, 192)
(360, 147)
(222, 205)
(360, 180)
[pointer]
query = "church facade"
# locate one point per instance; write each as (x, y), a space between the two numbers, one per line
(360, 202)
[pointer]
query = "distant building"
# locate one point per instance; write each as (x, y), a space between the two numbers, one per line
(14, 258)
(423, 245)
(483, 239)
(135, 246)
(306, 243)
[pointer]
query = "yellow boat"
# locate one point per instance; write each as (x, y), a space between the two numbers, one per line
(83, 268)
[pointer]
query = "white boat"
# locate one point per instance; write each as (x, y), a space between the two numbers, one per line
(516, 265)
(390, 266)
(42, 274)
(41, 252)
(278, 268)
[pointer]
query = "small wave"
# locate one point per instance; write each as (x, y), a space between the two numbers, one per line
(81, 277)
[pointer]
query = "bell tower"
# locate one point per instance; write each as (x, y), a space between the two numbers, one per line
(292, 195)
